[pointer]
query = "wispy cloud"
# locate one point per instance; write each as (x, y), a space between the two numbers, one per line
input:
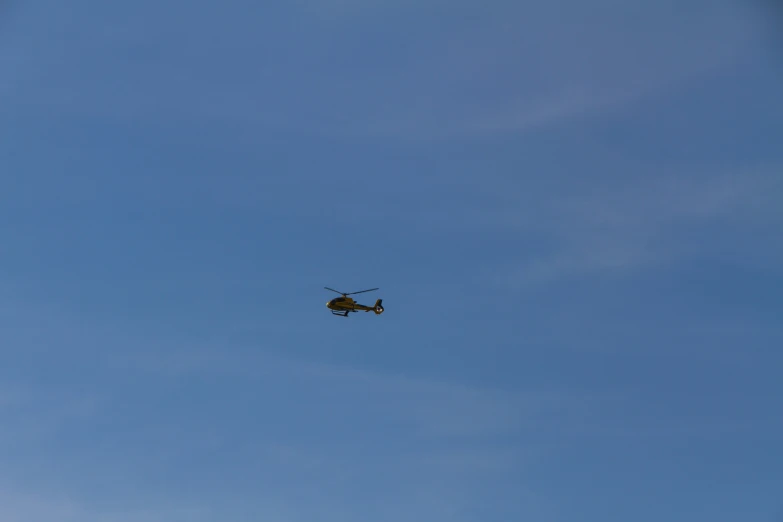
(422, 407)
(438, 448)
(22, 506)
(621, 224)
(523, 66)
(441, 70)
(32, 415)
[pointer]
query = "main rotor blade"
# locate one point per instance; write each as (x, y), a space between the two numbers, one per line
(362, 291)
(333, 290)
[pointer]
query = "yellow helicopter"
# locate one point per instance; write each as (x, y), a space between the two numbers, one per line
(345, 305)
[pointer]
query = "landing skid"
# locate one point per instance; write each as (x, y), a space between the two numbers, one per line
(343, 314)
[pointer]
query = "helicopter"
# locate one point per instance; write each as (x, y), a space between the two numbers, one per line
(344, 305)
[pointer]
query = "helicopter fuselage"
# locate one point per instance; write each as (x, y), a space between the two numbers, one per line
(344, 305)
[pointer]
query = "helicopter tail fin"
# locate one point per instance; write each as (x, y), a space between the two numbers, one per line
(378, 309)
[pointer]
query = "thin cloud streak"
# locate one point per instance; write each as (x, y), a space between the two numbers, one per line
(515, 55)
(453, 439)
(430, 408)
(23, 506)
(636, 224)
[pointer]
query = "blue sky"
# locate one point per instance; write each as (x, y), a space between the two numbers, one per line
(573, 214)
